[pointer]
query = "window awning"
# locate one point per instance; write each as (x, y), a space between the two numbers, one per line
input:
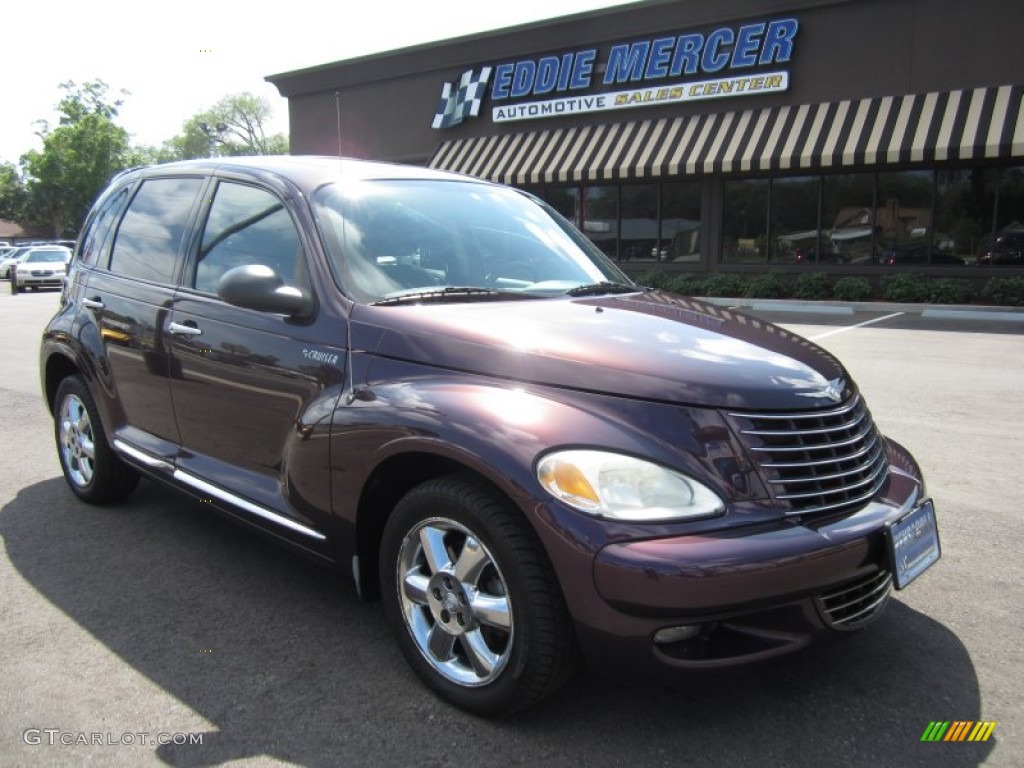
(949, 125)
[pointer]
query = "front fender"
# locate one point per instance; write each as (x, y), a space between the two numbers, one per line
(499, 429)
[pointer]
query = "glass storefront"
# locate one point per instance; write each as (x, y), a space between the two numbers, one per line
(847, 219)
(944, 217)
(644, 222)
(745, 221)
(680, 222)
(796, 225)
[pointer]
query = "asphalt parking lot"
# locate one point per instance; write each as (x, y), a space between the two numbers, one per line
(156, 618)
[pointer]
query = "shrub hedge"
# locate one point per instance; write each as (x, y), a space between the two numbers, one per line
(818, 286)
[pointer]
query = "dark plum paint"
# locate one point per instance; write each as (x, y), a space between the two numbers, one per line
(327, 420)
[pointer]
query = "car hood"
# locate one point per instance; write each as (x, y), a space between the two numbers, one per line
(650, 345)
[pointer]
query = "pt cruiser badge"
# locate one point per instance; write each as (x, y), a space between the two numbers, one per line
(833, 391)
(525, 456)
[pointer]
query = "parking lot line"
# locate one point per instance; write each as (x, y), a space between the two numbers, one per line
(854, 327)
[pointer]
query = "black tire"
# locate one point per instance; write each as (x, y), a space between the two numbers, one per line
(93, 471)
(487, 629)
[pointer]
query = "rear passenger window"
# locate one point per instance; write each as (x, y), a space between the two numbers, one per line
(99, 228)
(150, 234)
(248, 225)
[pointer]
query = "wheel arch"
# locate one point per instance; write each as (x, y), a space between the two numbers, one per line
(58, 367)
(390, 480)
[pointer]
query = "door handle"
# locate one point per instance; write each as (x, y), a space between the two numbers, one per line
(178, 329)
(92, 303)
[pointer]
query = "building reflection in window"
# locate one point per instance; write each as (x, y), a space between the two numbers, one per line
(745, 221)
(600, 214)
(964, 201)
(680, 222)
(903, 219)
(848, 218)
(795, 228)
(639, 222)
(922, 217)
(565, 200)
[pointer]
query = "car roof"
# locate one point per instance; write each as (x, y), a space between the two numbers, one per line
(308, 172)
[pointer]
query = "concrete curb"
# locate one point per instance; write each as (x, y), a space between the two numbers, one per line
(944, 312)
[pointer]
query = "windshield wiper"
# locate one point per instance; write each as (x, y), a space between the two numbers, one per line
(451, 293)
(597, 289)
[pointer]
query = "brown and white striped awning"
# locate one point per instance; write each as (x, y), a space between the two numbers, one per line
(924, 128)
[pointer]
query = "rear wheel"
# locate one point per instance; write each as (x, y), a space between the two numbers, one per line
(93, 471)
(473, 599)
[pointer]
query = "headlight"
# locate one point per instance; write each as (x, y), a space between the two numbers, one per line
(619, 487)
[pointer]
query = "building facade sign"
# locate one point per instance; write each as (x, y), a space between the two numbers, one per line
(659, 71)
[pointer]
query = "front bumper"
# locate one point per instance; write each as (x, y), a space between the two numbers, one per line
(741, 594)
(30, 281)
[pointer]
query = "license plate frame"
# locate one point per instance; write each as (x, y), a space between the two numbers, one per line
(912, 543)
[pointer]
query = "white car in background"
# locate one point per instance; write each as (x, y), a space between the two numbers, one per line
(40, 267)
(10, 258)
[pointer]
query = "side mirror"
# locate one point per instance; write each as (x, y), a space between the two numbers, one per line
(257, 286)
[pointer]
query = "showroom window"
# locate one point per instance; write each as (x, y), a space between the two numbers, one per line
(636, 222)
(911, 218)
(639, 222)
(1010, 206)
(795, 202)
(565, 200)
(600, 214)
(847, 219)
(680, 222)
(964, 203)
(745, 221)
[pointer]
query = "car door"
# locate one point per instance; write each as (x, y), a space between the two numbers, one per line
(253, 390)
(129, 293)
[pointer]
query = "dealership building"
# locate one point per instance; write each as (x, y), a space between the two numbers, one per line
(859, 135)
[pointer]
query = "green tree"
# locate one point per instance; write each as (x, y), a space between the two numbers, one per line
(233, 126)
(77, 160)
(12, 193)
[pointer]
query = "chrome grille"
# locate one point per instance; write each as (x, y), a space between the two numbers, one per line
(817, 461)
(854, 605)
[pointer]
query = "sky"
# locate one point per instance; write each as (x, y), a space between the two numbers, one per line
(180, 57)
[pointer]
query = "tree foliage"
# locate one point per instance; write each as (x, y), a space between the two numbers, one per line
(57, 185)
(12, 193)
(77, 160)
(235, 125)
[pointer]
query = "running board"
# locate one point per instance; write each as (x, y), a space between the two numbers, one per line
(237, 501)
(199, 484)
(142, 457)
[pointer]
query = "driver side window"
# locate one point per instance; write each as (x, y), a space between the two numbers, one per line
(248, 225)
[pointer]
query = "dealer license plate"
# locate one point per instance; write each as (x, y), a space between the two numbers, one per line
(913, 543)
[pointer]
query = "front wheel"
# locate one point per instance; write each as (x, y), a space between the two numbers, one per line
(93, 471)
(473, 599)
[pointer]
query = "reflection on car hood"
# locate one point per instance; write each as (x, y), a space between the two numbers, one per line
(650, 345)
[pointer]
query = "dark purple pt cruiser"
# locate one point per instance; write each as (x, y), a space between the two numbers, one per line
(439, 385)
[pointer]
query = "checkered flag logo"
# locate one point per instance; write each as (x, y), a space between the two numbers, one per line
(458, 103)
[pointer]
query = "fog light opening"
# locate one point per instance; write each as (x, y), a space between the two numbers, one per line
(669, 635)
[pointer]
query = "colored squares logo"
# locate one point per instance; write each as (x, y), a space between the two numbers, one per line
(958, 730)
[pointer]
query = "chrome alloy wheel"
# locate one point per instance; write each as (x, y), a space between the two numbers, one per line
(77, 444)
(455, 602)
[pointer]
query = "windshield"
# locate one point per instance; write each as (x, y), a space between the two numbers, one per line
(452, 240)
(47, 256)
